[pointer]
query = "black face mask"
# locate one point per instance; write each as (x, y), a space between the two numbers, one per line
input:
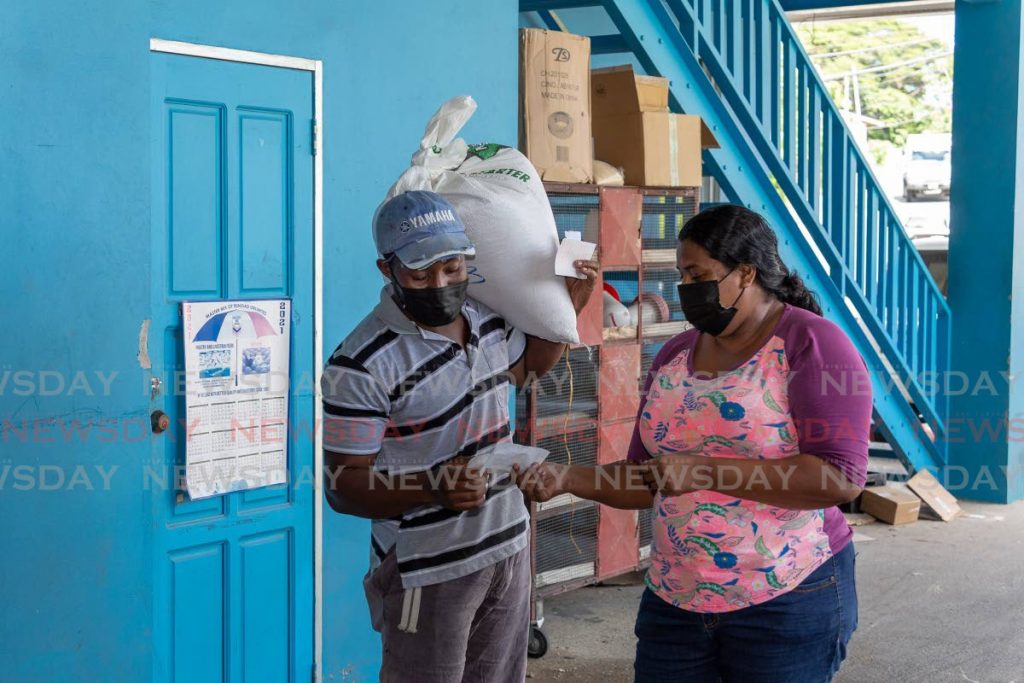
(433, 306)
(702, 307)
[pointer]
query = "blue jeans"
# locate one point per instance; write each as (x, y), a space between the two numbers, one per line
(798, 637)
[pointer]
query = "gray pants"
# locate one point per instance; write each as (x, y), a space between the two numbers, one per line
(472, 629)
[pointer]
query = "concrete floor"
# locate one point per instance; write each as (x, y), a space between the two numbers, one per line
(938, 603)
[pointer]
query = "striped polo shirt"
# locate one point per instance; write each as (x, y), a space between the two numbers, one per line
(417, 399)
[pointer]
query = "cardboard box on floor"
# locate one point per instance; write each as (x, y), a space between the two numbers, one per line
(935, 497)
(891, 504)
(554, 104)
(634, 129)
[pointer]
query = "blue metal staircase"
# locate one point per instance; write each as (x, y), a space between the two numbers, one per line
(787, 153)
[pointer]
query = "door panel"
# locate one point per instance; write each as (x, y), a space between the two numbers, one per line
(232, 219)
(194, 219)
(264, 206)
(266, 604)
(198, 603)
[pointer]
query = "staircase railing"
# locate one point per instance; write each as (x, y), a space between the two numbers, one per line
(760, 69)
(758, 62)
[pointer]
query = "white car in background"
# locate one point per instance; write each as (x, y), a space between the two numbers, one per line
(926, 168)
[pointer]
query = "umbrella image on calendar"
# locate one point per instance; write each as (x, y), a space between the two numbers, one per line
(236, 326)
(236, 360)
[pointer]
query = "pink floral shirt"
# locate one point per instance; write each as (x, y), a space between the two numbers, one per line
(804, 391)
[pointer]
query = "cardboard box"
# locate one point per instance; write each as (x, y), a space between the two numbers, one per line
(935, 496)
(554, 104)
(619, 90)
(654, 148)
(634, 129)
(891, 504)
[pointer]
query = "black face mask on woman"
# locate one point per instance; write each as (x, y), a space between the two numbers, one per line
(433, 306)
(702, 306)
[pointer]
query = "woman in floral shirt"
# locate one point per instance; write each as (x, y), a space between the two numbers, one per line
(752, 428)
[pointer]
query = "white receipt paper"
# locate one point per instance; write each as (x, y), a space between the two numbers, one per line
(571, 250)
(501, 458)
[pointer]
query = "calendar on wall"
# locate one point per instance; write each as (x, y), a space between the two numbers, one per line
(236, 365)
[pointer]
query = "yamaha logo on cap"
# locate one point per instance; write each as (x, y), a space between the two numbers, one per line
(419, 226)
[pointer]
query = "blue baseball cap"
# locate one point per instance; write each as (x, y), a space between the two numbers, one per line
(420, 227)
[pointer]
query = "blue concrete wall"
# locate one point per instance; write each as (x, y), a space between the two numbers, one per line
(75, 200)
(986, 261)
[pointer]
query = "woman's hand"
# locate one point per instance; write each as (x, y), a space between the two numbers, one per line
(543, 481)
(580, 290)
(670, 475)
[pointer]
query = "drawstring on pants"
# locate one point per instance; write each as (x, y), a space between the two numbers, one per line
(410, 610)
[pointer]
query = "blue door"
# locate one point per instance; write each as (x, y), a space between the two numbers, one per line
(232, 218)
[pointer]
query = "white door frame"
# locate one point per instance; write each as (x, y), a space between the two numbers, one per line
(316, 67)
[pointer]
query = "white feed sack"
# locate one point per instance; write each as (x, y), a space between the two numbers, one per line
(501, 199)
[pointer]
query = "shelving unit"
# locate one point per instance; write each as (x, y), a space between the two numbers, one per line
(589, 418)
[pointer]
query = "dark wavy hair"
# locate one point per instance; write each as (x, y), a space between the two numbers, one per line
(735, 235)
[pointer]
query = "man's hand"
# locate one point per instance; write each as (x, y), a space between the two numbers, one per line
(541, 354)
(543, 481)
(460, 488)
(580, 290)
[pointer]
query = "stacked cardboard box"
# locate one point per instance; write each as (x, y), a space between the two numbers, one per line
(554, 104)
(634, 129)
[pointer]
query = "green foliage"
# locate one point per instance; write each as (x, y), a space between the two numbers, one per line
(880, 150)
(913, 98)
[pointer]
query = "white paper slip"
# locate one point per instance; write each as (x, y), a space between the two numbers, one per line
(571, 250)
(503, 456)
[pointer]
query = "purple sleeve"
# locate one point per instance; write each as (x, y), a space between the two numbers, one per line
(829, 395)
(673, 347)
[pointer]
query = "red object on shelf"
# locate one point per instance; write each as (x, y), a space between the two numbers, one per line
(620, 377)
(614, 440)
(621, 208)
(590, 321)
(592, 419)
(618, 539)
(618, 542)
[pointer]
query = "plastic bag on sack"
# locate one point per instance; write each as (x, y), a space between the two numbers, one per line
(500, 198)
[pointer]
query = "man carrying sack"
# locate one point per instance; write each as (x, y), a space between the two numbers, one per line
(411, 394)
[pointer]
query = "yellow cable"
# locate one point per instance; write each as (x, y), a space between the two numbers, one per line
(568, 412)
(568, 452)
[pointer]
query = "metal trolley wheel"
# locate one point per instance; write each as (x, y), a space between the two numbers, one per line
(538, 646)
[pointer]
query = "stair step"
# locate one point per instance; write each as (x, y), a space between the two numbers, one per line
(892, 469)
(881, 449)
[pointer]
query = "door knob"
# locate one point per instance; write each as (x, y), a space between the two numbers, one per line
(159, 421)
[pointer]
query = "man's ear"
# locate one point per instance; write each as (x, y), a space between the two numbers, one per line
(385, 268)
